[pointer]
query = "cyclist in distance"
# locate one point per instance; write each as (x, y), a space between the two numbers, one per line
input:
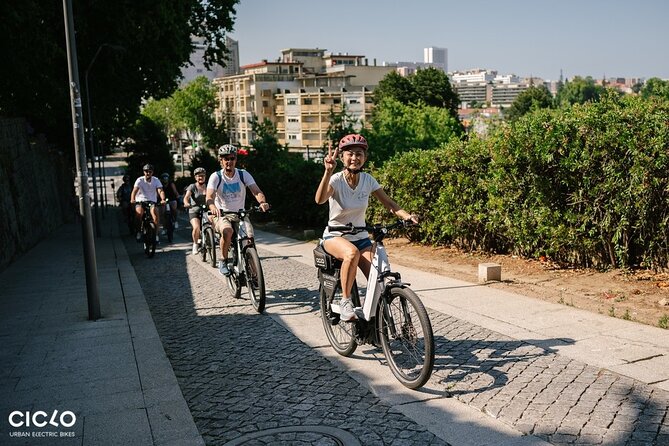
(348, 194)
(123, 197)
(172, 195)
(146, 188)
(194, 200)
(226, 191)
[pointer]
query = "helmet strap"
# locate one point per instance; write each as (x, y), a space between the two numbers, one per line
(353, 171)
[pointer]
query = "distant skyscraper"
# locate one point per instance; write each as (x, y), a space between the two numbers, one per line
(232, 60)
(196, 67)
(438, 57)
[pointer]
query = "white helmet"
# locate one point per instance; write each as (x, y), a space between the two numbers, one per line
(227, 149)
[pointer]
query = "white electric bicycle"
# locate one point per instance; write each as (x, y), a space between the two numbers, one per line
(392, 315)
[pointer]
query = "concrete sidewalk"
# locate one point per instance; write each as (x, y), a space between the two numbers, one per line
(109, 380)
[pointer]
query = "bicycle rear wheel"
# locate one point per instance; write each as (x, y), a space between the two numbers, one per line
(169, 226)
(340, 334)
(255, 280)
(406, 337)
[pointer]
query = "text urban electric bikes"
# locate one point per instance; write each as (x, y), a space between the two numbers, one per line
(391, 314)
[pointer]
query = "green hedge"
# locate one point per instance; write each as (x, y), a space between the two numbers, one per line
(586, 185)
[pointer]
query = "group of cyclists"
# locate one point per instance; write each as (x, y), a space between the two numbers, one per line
(347, 193)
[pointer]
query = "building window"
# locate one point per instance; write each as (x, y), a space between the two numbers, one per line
(292, 101)
(307, 101)
(292, 137)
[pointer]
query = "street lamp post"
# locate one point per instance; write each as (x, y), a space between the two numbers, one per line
(92, 288)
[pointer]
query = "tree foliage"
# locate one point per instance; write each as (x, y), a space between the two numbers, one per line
(585, 185)
(430, 86)
(142, 47)
(579, 91)
(533, 98)
(397, 127)
(655, 87)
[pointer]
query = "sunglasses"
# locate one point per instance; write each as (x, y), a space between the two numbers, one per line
(228, 158)
(148, 171)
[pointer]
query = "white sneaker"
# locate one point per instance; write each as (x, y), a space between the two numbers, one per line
(196, 248)
(176, 225)
(346, 311)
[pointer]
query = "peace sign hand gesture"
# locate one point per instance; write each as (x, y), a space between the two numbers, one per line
(330, 161)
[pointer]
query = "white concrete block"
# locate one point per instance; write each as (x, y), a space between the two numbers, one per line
(490, 271)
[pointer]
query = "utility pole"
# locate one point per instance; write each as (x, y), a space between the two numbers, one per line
(92, 289)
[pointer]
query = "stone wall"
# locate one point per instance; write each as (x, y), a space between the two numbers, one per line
(36, 189)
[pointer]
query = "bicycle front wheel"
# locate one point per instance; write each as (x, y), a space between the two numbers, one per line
(232, 279)
(255, 280)
(340, 334)
(406, 337)
(209, 246)
(149, 239)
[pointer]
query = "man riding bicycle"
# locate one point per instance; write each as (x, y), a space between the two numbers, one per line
(226, 192)
(146, 188)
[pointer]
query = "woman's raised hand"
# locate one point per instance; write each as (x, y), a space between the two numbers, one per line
(330, 161)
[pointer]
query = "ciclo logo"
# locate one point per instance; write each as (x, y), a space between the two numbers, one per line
(40, 418)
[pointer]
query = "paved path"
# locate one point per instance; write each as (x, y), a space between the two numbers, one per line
(201, 367)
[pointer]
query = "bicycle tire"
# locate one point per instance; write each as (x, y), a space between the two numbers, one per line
(406, 337)
(232, 279)
(169, 224)
(150, 240)
(255, 279)
(341, 335)
(209, 240)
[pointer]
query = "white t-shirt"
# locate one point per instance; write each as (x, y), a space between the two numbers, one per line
(147, 191)
(349, 205)
(231, 193)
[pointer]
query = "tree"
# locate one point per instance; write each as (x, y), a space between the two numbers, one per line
(193, 111)
(531, 99)
(395, 86)
(398, 128)
(579, 91)
(434, 89)
(341, 124)
(147, 142)
(655, 87)
(151, 42)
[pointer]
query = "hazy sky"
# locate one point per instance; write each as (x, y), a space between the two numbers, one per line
(581, 37)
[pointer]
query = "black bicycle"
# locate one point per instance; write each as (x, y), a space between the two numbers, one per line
(391, 316)
(245, 267)
(148, 229)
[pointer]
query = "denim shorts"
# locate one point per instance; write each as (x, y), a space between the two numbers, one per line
(360, 244)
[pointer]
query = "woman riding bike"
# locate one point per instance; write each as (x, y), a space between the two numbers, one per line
(194, 201)
(348, 194)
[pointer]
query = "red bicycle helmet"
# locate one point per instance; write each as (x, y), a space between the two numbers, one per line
(353, 140)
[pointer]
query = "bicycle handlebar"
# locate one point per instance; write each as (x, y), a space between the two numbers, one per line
(374, 229)
(244, 211)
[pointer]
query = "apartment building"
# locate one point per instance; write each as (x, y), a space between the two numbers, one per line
(251, 94)
(298, 94)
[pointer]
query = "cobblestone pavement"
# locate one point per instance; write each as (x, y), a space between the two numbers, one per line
(243, 373)
(262, 377)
